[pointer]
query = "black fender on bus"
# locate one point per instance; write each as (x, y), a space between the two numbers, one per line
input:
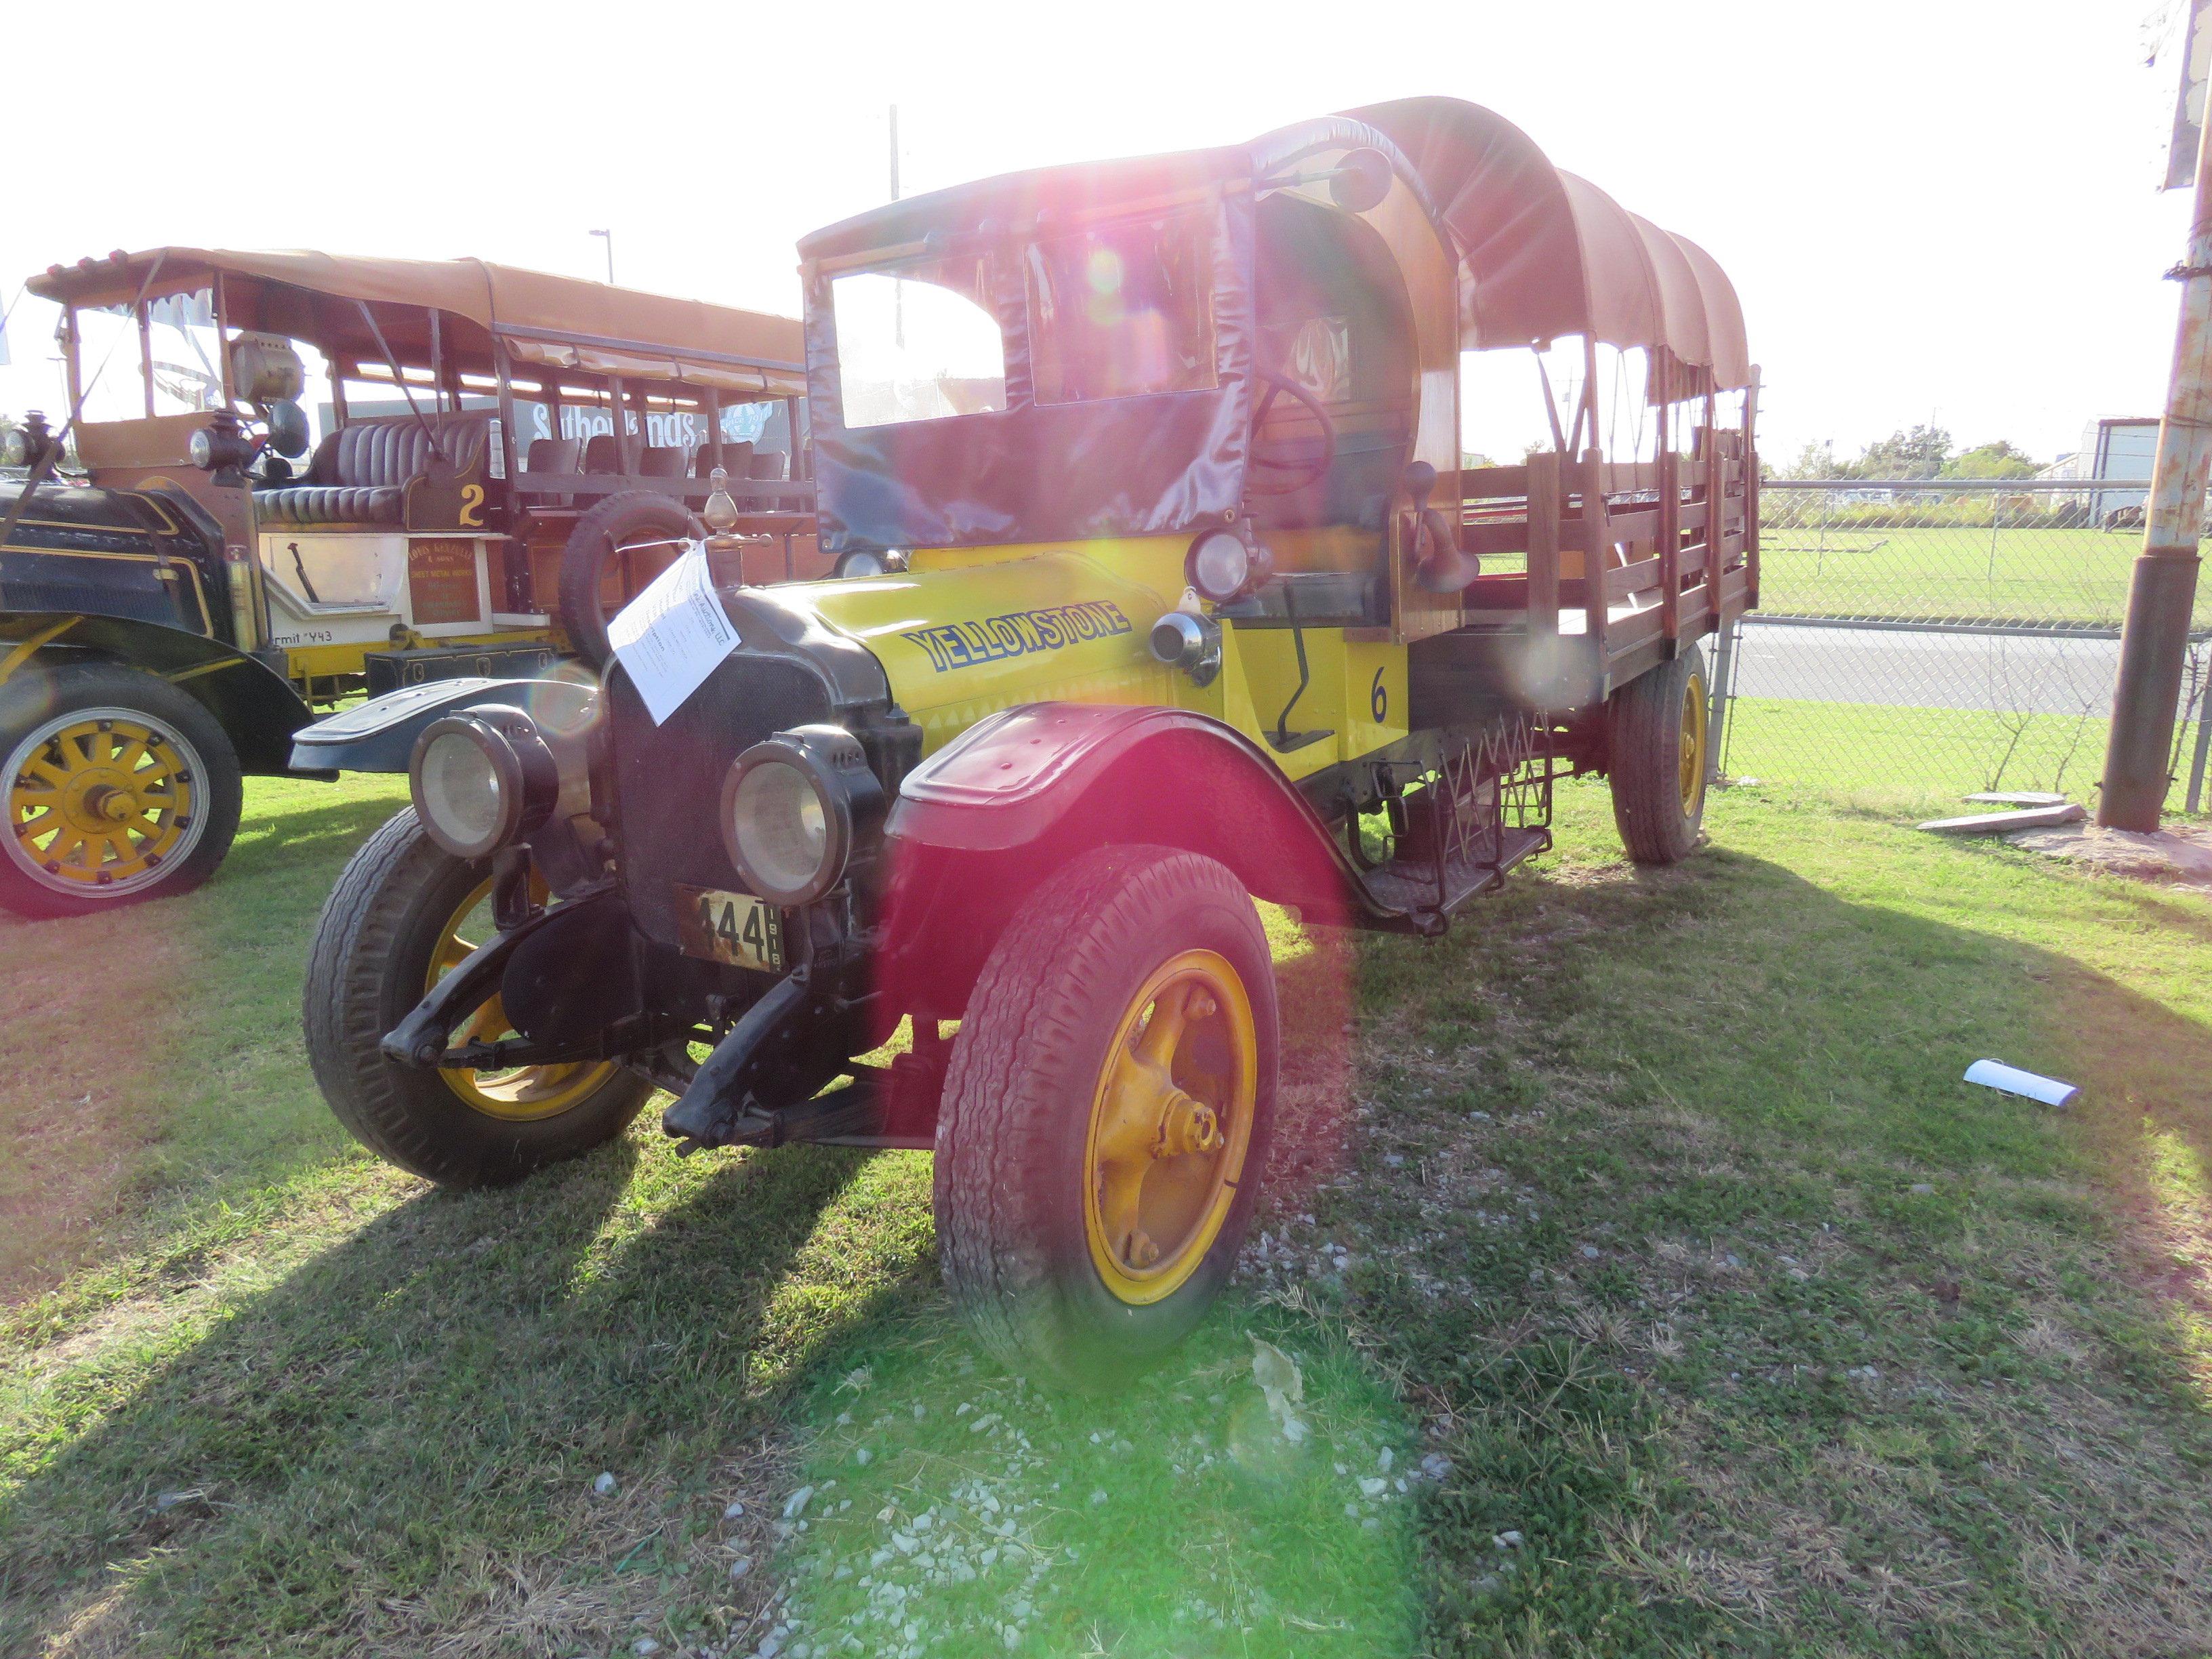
(256, 706)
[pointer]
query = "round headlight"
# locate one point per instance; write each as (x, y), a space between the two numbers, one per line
(14, 447)
(794, 807)
(201, 448)
(1222, 567)
(475, 786)
(862, 563)
(782, 824)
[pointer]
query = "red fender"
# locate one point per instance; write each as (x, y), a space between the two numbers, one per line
(978, 825)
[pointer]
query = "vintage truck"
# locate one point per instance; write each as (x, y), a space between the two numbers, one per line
(168, 620)
(1186, 597)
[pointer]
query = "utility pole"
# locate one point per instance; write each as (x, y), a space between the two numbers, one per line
(898, 289)
(608, 237)
(2154, 642)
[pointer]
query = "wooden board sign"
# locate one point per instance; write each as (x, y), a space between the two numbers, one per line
(441, 581)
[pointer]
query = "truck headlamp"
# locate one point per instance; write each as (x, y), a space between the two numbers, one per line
(14, 447)
(793, 808)
(1223, 567)
(482, 778)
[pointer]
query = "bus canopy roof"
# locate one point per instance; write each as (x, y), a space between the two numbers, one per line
(543, 320)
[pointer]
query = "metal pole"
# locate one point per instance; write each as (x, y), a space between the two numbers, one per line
(2204, 749)
(2163, 590)
(608, 237)
(1722, 692)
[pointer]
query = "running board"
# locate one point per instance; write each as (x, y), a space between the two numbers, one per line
(1417, 887)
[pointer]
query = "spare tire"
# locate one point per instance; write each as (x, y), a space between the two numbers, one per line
(634, 519)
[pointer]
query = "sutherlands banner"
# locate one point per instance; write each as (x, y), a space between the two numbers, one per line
(764, 425)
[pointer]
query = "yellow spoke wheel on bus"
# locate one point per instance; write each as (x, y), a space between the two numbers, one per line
(119, 787)
(519, 1093)
(1107, 1113)
(1170, 1123)
(103, 798)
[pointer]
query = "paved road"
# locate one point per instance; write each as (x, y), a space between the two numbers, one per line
(2009, 672)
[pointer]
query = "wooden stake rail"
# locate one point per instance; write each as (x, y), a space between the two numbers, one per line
(1646, 530)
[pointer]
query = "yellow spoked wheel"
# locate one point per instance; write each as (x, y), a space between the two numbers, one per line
(1693, 743)
(1169, 1125)
(1107, 1113)
(102, 801)
(1658, 753)
(521, 1093)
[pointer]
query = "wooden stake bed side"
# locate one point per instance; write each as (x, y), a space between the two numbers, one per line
(1667, 548)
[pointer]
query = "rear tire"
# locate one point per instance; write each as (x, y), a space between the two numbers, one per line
(398, 905)
(119, 788)
(1659, 759)
(1053, 1274)
(617, 522)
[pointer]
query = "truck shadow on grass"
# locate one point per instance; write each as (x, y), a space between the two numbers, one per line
(398, 1441)
(1620, 1206)
(1765, 1330)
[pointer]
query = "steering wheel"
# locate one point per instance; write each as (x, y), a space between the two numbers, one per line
(1301, 473)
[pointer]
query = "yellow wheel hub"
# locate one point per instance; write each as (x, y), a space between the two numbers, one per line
(1171, 1123)
(100, 800)
(521, 1093)
(1693, 744)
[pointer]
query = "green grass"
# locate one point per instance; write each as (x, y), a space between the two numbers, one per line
(1871, 752)
(1947, 572)
(1607, 1204)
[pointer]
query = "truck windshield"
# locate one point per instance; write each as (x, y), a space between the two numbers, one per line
(1116, 309)
(1122, 309)
(918, 343)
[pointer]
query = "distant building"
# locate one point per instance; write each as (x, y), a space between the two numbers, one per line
(2113, 451)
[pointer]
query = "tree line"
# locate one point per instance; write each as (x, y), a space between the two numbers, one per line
(1918, 452)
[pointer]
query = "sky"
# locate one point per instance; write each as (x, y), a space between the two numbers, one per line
(1930, 209)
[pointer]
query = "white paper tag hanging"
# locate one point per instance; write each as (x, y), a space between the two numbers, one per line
(669, 638)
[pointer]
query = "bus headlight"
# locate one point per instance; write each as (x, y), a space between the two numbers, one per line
(793, 807)
(481, 778)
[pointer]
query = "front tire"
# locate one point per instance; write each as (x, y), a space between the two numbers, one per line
(404, 912)
(119, 788)
(1660, 760)
(1106, 1115)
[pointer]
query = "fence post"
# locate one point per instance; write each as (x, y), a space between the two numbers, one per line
(1718, 696)
(2195, 801)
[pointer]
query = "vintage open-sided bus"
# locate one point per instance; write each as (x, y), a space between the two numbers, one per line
(1200, 601)
(306, 476)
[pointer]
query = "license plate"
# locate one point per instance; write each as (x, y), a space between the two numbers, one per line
(733, 927)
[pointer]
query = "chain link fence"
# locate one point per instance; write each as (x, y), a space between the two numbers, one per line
(1936, 638)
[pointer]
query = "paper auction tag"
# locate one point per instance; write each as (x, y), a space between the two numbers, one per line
(669, 638)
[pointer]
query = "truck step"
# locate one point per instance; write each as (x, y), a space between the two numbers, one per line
(1412, 884)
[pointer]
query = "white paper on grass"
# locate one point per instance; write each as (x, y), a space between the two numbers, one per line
(669, 638)
(1995, 1075)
